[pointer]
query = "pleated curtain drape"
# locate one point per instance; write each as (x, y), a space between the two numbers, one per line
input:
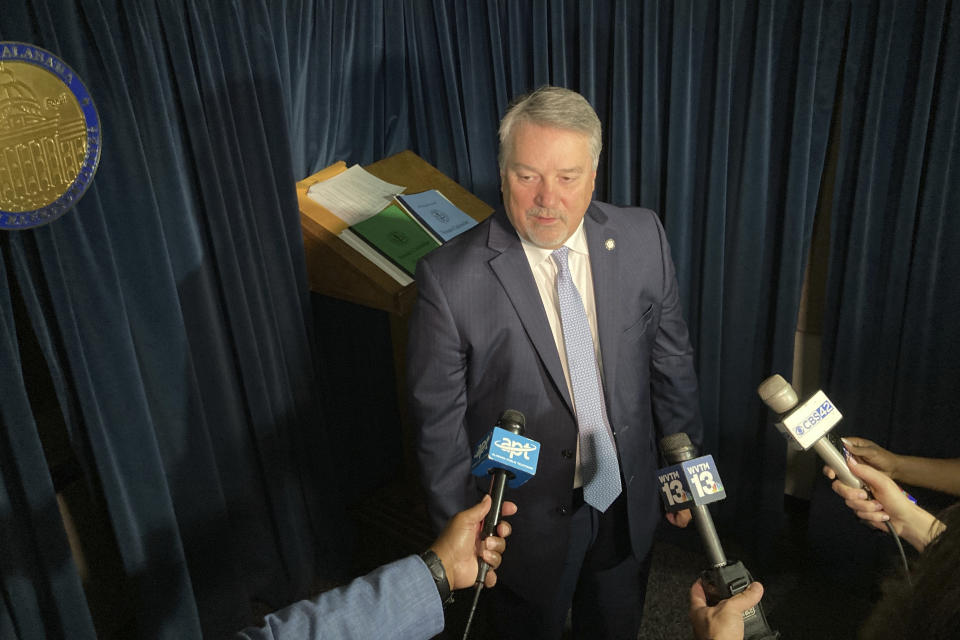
(891, 351)
(171, 306)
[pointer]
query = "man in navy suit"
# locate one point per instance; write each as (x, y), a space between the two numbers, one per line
(487, 334)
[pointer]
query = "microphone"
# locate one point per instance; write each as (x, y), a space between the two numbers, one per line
(806, 424)
(723, 579)
(677, 448)
(510, 459)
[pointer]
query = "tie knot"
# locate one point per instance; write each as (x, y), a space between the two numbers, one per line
(560, 257)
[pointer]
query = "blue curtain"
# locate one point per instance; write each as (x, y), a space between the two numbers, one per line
(171, 304)
(172, 308)
(891, 349)
(893, 352)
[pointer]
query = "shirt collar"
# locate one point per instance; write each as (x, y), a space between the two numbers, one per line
(577, 243)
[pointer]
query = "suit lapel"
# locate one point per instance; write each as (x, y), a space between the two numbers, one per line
(605, 267)
(513, 271)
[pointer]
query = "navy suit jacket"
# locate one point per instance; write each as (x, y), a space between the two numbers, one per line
(480, 343)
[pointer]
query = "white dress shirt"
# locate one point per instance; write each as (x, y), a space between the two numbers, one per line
(545, 274)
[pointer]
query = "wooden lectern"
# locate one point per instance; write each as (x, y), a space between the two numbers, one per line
(337, 270)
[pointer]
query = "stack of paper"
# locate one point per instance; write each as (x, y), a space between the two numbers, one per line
(354, 195)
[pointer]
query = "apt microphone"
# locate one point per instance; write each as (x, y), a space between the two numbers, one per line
(510, 459)
(805, 425)
(723, 579)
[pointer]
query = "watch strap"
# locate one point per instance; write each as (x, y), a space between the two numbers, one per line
(439, 575)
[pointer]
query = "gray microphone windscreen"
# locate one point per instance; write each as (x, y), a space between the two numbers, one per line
(777, 394)
(677, 447)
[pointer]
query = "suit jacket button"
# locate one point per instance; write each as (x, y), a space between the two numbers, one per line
(567, 453)
(562, 509)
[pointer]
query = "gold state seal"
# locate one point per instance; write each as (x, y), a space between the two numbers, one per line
(49, 136)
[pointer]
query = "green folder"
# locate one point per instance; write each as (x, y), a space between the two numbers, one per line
(397, 236)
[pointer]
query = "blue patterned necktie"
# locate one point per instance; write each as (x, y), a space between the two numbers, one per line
(598, 455)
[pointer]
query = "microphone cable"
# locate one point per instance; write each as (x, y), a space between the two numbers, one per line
(903, 556)
(477, 588)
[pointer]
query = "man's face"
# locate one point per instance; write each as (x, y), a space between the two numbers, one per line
(547, 183)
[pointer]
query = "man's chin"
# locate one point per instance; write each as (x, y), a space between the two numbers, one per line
(550, 240)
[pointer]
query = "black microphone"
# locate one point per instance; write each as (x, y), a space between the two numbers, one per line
(510, 459)
(514, 422)
(723, 579)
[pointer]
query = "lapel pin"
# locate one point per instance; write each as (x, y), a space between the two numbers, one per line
(610, 244)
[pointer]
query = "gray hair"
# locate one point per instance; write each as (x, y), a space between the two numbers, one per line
(551, 107)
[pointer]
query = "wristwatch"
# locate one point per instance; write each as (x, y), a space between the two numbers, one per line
(439, 575)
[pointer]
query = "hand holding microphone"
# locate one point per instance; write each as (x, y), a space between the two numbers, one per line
(460, 547)
(695, 480)
(887, 508)
(724, 620)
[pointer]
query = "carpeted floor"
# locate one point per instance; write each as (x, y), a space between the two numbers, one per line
(803, 598)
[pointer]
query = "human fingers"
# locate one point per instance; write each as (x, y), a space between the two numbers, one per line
(698, 598)
(829, 472)
(504, 529)
(870, 452)
(872, 514)
(680, 518)
(747, 598)
(855, 442)
(864, 506)
(876, 479)
(469, 518)
(494, 543)
(848, 493)
(509, 508)
(492, 557)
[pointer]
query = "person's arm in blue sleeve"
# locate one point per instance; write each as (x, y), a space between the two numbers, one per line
(399, 600)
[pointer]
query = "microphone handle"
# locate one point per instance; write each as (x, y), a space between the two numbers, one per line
(498, 486)
(708, 533)
(835, 461)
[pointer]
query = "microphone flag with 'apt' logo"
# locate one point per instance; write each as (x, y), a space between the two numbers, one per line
(502, 449)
